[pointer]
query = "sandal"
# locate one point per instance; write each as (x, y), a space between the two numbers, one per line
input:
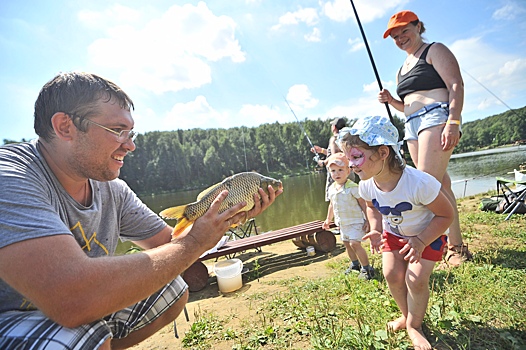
(457, 254)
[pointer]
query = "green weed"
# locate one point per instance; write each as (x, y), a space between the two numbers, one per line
(479, 305)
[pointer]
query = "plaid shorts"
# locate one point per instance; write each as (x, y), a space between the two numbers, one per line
(33, 330)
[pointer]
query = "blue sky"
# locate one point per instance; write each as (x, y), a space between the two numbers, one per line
(221, 64)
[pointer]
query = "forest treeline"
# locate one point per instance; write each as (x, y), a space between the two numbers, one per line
(166, 161)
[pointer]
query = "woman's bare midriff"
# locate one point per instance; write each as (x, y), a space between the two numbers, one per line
(416, 100)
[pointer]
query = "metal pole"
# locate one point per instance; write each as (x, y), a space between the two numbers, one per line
(371, 58)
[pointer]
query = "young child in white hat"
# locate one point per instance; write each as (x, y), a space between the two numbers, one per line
(408, 216)
(347, 209)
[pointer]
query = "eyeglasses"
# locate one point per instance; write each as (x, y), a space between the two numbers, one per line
(122, 136)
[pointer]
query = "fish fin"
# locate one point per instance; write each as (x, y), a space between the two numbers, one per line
(182, 224)
(206, 191)
(173, 212)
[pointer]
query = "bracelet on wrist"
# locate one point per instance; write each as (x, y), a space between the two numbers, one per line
(453, 122)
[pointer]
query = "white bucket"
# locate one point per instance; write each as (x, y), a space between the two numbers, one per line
(311, 251)
(228, 274)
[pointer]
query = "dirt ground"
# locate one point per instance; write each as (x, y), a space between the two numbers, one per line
(276, 262)
(279, 261)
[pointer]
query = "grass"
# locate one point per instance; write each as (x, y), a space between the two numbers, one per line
(479, 305)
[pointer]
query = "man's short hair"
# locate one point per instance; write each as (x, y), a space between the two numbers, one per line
(75, 93)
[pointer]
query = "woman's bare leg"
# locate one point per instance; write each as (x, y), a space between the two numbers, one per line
(428, 156)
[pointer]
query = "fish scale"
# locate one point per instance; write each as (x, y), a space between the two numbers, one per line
(241, 187)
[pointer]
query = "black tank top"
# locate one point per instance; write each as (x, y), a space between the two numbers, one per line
(421, 77)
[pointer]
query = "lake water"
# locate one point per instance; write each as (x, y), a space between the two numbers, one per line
(474, 172)
(303, 197)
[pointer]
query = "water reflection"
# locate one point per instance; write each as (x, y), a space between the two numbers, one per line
(475, 172)
(303, 197)
(301, 201)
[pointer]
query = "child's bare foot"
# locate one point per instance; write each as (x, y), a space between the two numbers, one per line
(396, 325)
(419, 339)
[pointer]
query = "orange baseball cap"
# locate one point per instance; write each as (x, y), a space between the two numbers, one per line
(400, 19)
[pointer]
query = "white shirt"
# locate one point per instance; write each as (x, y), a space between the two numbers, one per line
(345, 204)
(403, 209)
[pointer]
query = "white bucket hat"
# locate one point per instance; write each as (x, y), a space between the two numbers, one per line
(375, 131)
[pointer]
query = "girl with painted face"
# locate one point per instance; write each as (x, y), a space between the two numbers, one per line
(408, 216)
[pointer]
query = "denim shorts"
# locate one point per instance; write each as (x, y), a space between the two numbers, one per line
(423, 119)
(32, 330)
(351, 232)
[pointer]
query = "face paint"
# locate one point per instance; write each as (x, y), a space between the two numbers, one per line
(356, 157)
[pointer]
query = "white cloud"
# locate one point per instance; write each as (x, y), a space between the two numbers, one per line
(254, 115)
(175, 48)
(115, 14)
(309, 16)
(368, 11)
(200, 114)
(508, 12)
(300, 97)
(502, 75)
(314, 36)
(194, 114)
(356, 44)
(365, 105)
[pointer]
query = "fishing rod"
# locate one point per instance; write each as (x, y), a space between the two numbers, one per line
(261, 62)
(317, 156)
(371, 59)
(488, 90)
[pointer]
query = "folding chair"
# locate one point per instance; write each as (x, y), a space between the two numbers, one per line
(187, 320)
(243, 231)
(513, 201)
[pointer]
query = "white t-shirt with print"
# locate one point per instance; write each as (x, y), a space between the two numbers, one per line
(403, 209)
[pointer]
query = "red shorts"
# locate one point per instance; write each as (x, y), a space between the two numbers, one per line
(433, 252)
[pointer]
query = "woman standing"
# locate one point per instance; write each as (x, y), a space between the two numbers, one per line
(431, 93)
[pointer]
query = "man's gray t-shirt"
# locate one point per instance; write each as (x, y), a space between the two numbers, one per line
(34, 204)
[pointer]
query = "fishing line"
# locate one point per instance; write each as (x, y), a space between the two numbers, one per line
(488, 90)
(371, 59)
(317, 155)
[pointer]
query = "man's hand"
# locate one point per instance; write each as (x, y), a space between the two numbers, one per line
(317, 149)
(262, 201)
(209, 228)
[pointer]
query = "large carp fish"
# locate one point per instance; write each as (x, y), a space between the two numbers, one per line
(241, 187)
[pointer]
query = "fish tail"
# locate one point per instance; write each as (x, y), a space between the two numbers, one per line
(182, 224)
(173, 212)
(177, 213)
